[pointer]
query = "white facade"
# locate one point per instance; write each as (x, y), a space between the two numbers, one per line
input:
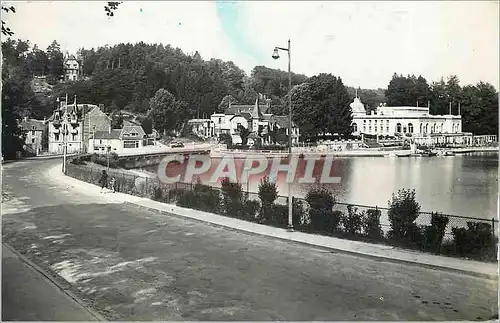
(71, 69)
(409, 121)
(255, 118)
(131, 138)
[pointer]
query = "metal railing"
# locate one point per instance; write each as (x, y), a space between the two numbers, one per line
(144, 186)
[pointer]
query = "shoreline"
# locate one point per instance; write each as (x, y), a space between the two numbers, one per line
(352, 153)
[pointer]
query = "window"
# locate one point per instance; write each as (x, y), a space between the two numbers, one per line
(421, 128)
(32, 132)
(32, 140)
(369, 128)
(364, 128)
(220, 120)
(100, 141)
(387, 129)
(130, 144)
(375, 128)
(73, 137)
(355, 127)
(398, 127)
(410, 128)
(56, 137)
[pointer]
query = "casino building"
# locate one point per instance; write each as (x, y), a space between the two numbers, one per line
(414, 123)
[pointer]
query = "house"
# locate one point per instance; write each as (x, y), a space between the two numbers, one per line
(119, 141)
(33, 130)
(77, 122)
(257, 118)
(72, 68)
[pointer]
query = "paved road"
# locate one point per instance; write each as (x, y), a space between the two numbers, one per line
(28, 296)
(132, 264)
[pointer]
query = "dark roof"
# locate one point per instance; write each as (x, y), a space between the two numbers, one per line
(28, 124)
(242, 108)
(133, 129)
(115, 134)
(282, 121)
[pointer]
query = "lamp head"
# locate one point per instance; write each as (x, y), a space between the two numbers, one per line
(276, 55)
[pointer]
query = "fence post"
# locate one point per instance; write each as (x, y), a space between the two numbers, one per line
(146, 186)
(493, 227)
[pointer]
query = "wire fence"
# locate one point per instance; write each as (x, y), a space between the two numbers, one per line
(144, 186)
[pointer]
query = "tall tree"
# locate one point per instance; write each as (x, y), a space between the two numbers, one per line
(166, 111)
(56, 62)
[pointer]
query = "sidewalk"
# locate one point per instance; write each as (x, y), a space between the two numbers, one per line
(380, 252)
(28, 295)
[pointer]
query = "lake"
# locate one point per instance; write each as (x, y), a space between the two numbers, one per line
(465, 185)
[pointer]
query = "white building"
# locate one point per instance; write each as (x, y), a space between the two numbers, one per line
(33, 130)
(257, 118)
(128, 139)
(78, 121)
(71, 68)
(406, 121)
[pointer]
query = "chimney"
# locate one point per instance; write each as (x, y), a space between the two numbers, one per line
(44, 119)
(101, 107)
(25, 119)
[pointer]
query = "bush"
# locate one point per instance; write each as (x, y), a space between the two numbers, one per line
(251, 210)
(352, 221)
(232, 198)
(434, 234)
(475, 241)
(371, 225)
(279, 216)
(157, 193)
(103, 160)
(321, 215)
(268, 193)
(403, 211)
(202, 197)
(298, 212)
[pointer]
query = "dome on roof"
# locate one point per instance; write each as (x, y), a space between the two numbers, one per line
(357, 106)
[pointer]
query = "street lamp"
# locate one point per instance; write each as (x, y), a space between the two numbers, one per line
(276, 55)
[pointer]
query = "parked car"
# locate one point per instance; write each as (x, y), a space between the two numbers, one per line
(176, 145)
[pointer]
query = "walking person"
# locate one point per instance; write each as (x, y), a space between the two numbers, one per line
(103, 181)
(112, 183)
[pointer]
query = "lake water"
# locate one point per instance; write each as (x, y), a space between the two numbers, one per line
(465, 185)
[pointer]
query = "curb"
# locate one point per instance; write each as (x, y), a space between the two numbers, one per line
(46, 275)
(326, 248)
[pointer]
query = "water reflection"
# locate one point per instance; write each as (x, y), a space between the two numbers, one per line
(464, 185)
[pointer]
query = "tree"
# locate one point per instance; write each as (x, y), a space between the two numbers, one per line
(167, 112)
(116, 119)
(322, 106)
(226, 101)
(13, 97)
(407, 91)
(5, 30)
(147, 125)
(479, 109)
(56, 62)
(109, 9)
(244, 133)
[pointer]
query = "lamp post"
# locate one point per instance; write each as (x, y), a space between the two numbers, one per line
(290, 195)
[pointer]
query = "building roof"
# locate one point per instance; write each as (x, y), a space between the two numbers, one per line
(282, 121)
(80, 109)
(132, 129)
(255, 110)
(115, 134)
(28, 124)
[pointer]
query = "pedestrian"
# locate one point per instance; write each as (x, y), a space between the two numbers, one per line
(112, 184)
(103, 181)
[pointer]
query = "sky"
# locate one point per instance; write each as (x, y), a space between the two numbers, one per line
(364, 43)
